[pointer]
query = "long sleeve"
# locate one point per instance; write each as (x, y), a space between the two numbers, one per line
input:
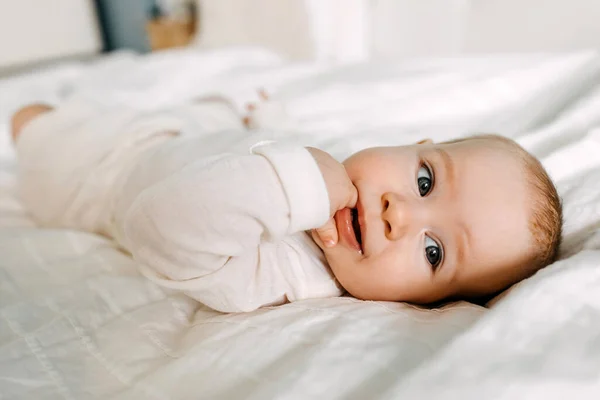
(228, 229)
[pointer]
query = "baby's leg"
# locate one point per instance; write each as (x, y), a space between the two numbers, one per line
(70, 159)
(25, 115)
(43, 139)
(218, 113)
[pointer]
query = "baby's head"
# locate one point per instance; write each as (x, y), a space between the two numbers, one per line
(460, 219)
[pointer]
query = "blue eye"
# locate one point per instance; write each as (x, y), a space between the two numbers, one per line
(433, 252)
(424, 180)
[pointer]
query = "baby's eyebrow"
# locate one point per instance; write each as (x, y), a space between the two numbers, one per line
(448, 164)
(463, 240)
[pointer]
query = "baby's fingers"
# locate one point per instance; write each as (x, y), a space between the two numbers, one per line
(352, 196)
(263, 95)
(326, 235)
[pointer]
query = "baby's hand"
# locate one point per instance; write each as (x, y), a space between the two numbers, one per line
(342, 194)
(326, 235)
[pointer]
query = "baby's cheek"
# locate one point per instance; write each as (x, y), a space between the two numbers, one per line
(355, 278)
(342, 269)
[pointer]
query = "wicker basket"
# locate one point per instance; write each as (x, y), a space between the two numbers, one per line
(164, 33)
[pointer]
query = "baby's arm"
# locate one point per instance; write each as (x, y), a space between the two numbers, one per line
(212, 229)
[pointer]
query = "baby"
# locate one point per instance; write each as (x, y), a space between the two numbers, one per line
(240, 219)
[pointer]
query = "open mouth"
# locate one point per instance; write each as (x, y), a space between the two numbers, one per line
(356, 226)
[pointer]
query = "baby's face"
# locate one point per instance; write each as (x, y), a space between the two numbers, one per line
(436, 220)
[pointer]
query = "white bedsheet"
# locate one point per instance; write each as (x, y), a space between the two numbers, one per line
(78, 322)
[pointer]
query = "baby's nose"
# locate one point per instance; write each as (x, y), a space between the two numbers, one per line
(395, 215)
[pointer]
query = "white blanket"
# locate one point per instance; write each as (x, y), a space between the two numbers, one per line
(78, 322)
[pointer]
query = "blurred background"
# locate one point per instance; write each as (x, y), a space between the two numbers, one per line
(40, 31)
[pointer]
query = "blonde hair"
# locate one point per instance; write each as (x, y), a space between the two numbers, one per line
(546, 219)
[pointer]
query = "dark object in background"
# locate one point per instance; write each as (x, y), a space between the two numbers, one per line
(167, 31)
(142, 26)
(123, 23)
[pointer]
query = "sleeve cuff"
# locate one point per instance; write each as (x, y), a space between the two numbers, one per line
(302, 183)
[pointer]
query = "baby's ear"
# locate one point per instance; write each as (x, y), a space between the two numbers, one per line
(425, 141)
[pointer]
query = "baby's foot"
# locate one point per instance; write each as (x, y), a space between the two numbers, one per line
(250, 120)
(267, 114)
(25, 115)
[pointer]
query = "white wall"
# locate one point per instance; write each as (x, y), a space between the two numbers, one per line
(405, 28)
(331, 30)
(528, 25)
(280, 25)
(350, 30)
(35, 30)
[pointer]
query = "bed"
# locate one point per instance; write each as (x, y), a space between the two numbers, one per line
(78, 322)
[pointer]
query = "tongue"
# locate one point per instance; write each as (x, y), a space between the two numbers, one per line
(344, 220)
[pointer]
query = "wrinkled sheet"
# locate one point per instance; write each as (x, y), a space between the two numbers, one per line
(78, 322)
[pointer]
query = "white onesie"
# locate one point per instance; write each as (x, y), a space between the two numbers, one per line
(203, 205)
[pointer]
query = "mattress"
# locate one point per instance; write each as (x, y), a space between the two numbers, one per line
(78, 322)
